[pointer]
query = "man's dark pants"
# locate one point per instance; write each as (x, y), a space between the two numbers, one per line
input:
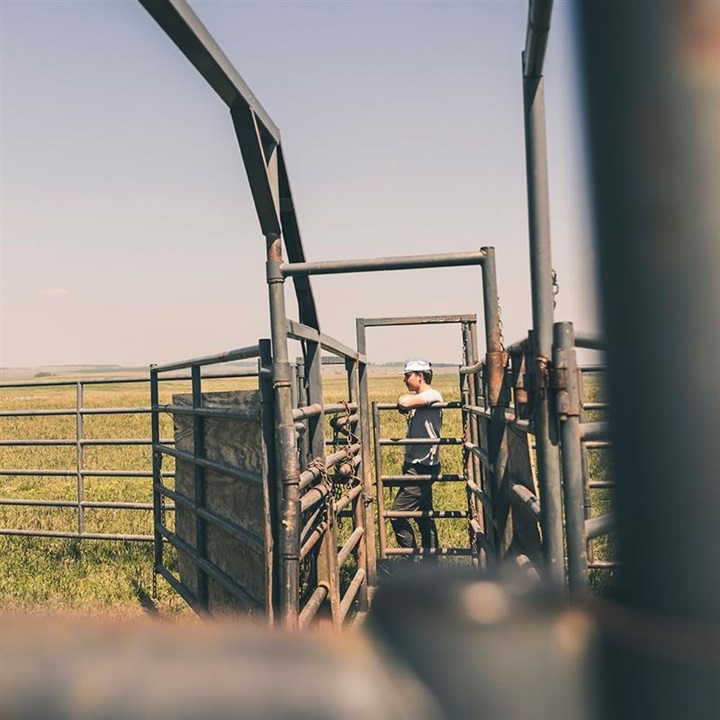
(416, 496)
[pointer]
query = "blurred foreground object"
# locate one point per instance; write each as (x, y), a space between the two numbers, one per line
(436, 645)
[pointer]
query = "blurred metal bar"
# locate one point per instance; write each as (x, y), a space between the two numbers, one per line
(602, 525)
(651, 81)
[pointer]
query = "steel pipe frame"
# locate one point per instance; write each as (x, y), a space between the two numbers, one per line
(651, 82)
(407, 262)
(568, 410)
(548, 457)
(361, 325)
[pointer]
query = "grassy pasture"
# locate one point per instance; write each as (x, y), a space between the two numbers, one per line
(115, 577)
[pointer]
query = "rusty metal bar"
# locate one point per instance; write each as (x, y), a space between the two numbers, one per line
(527, 499)
(352, 542)
(307, 614)
(597, 526)
(352, 591)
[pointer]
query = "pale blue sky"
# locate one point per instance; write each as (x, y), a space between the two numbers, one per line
(128, 233)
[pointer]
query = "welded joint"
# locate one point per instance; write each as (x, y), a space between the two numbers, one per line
(282, 375)
(273, 272)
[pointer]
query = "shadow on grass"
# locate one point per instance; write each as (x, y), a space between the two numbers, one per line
(146, 602)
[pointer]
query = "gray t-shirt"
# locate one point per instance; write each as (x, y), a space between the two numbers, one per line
(425, 422)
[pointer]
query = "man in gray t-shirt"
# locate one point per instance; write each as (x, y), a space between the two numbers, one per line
(424, 421)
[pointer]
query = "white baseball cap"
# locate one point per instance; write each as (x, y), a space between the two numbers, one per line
(417, 365)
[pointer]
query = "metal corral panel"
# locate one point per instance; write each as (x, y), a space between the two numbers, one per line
(239, 543)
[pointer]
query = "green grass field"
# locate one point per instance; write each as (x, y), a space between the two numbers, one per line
(115, 577)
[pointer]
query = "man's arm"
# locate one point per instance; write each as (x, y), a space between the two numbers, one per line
(409, 401)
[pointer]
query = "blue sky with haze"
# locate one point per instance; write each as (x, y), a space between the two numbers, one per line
(128, 234)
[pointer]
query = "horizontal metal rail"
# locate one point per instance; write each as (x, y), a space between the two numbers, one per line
(85, 504)
(407, 262)
(210, 568)
(595, 431)
(351, 593)
(589, 341)
(452, 405)
(445, 552)
(210, 412)
(385, 442)
(310, 411)
(447, 514)
(308, 613)
(250, 372)
(218, 467)
(417, 320)
(397, 480)
(240, 533)
(299, 331)
(527, 499)
(595, 527)
(76, 473)
(346, 499)
(245, 353)
(75, 411)
(66, 442)
(314, 472)
(350, 545)
(75, 535)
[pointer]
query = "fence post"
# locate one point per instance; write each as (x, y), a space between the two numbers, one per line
(569, 402)
(541, 275)
(651, 81)
(156, 471)
(286, 448)
(496, 399)
(80, 456)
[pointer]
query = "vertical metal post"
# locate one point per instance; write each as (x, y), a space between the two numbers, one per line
(273, 521)
(316, 425)
(470, 433)
(382, 537)
(541, 275)
(299, 398)
(200, 495)
(79, 457)
(568, 401)
(287, 461)
(352, 367)
(496, 396)
(367, 478)
(156, 470)
(652, 88)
